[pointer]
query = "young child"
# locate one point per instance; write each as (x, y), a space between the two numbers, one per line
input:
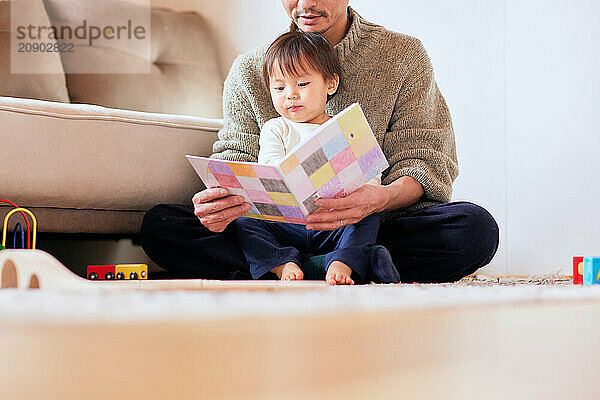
(302, 72)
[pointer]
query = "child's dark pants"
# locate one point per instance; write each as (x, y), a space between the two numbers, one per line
(267, 245)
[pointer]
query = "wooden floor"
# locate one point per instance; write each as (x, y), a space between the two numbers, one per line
(529, 351)
(543, 350)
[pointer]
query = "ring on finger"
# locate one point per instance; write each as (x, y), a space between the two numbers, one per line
(341, 223)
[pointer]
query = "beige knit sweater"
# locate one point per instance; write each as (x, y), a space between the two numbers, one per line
(390, 75)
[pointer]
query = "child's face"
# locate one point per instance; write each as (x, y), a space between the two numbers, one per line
(301, 98)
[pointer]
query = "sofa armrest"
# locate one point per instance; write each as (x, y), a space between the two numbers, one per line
(92, 112)
(79, 156)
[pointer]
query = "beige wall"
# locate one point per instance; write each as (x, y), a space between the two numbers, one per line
(238, 24)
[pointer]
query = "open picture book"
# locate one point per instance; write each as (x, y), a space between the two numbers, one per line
(339, 157)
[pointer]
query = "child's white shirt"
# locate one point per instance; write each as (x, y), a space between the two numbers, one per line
(279, 136)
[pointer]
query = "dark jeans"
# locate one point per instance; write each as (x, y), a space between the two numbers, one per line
(441, 243)
(267, 245)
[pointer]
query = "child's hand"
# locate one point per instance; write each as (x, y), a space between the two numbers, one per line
(216, 209)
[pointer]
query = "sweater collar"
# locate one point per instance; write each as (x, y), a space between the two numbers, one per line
(358, 27)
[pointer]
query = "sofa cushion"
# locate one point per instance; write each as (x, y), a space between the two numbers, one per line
(184, 75)
(42, 86)
(83, 157)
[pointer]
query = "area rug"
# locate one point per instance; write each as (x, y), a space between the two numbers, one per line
(190, 305)
(556, 278)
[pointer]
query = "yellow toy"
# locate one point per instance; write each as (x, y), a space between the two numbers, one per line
(131, 271)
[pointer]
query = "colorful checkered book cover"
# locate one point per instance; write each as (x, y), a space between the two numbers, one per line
(338, 158)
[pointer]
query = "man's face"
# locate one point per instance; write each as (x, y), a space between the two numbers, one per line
(316, 15)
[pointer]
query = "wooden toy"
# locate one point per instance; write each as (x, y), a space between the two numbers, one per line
(119, 272)
(19, 226)
(10, 203)
(131, 271)
(101, 272)
(591, 270)
(36, 269)
(7, 217)
(578, 270)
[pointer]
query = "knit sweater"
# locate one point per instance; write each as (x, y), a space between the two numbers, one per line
(390, 75)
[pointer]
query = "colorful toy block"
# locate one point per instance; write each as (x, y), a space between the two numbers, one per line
(578, 270)
(591, 270)
(101, 272)
(131, 271)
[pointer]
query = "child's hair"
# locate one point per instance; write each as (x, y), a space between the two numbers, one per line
(294, 51)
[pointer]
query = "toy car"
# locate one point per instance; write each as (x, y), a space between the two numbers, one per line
(101, 272)
(119, 272)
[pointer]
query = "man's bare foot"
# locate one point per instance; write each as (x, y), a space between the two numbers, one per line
(339, 273)
(288, 272)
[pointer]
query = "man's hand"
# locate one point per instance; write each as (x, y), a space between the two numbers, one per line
(216, 209)
(403, 192)
(360, 204)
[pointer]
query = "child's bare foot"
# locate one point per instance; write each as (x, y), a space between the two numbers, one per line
(339, 273)
(288, 272)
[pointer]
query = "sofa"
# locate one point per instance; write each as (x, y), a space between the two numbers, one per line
(91, 152)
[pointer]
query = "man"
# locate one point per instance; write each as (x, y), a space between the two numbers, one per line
(390, 75)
